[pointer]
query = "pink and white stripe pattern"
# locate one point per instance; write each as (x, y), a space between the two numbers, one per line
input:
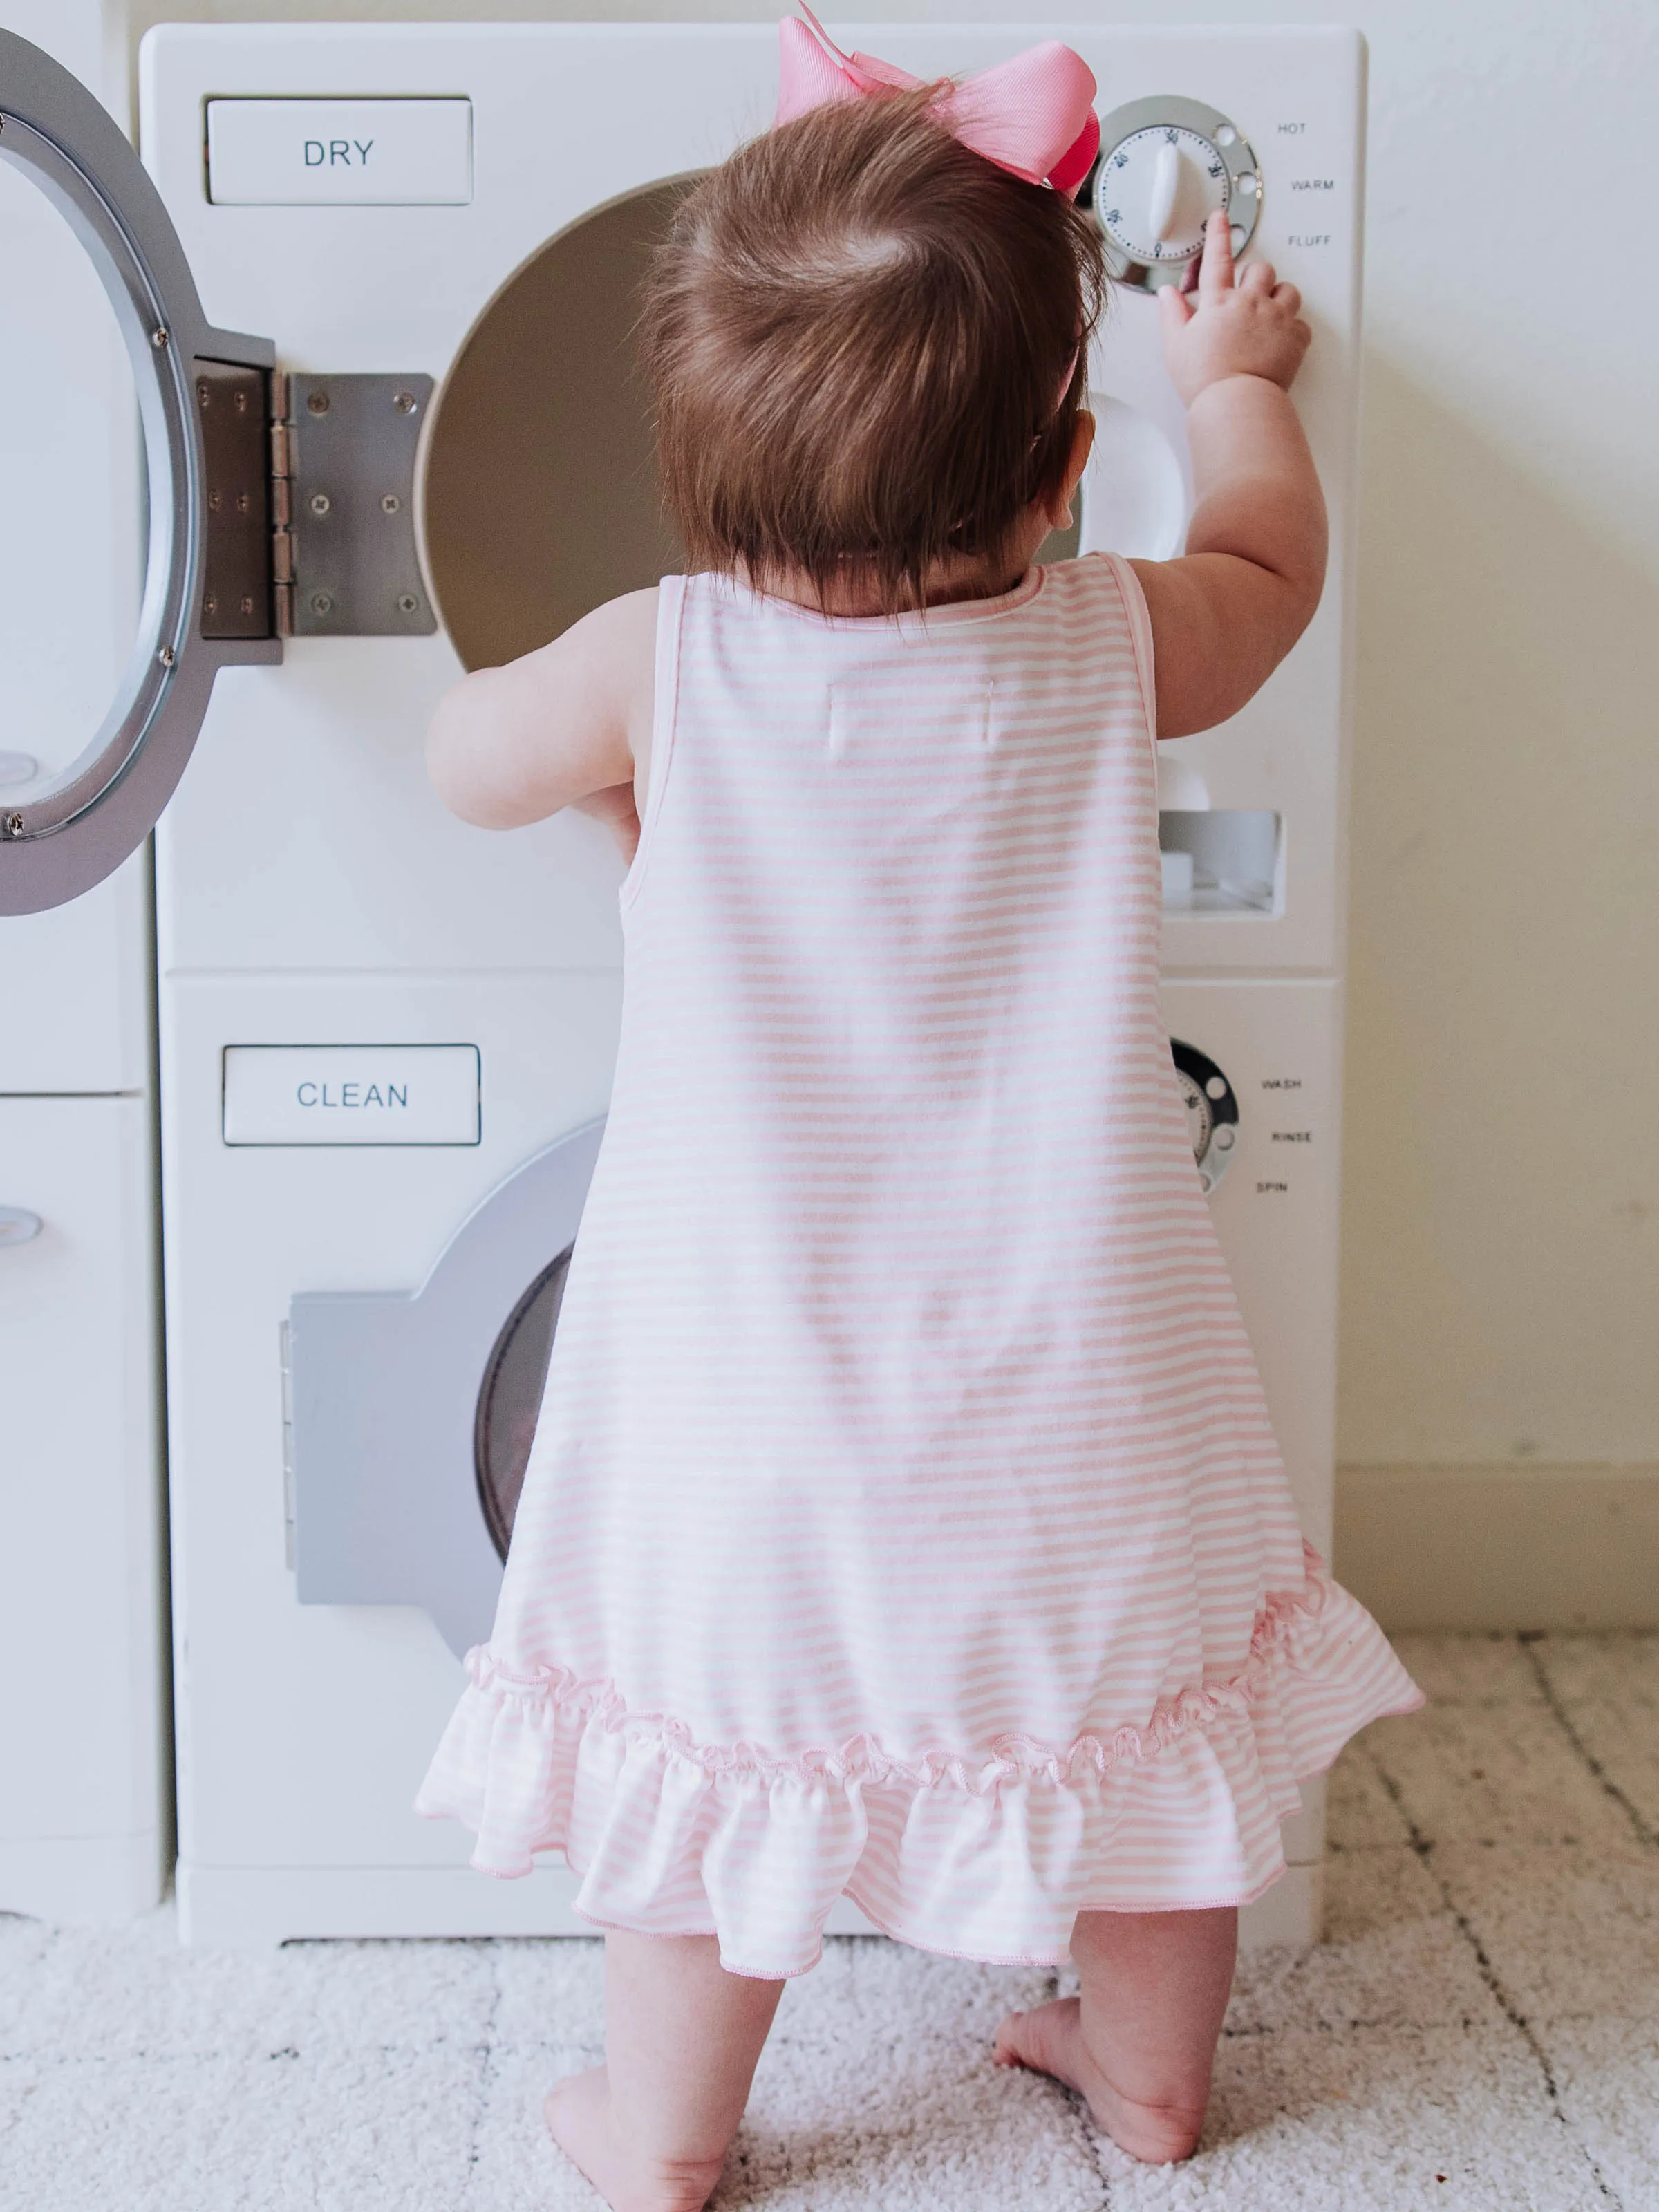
(904, 1517)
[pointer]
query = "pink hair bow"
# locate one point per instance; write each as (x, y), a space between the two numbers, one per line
(1033, 114)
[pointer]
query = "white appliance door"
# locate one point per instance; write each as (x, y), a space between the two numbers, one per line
(204, 412)
(388, 1396)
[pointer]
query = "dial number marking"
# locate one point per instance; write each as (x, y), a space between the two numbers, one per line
(1200, 1121)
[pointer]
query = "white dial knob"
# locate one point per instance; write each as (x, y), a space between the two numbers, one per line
(1166, 165)
(1158, 189)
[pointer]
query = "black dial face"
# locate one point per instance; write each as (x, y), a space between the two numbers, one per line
(510, 1401)
(1200, 1122)
(1211, 1110)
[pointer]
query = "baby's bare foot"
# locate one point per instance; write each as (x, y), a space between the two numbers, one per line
(1050, 2041)
(580, 2120)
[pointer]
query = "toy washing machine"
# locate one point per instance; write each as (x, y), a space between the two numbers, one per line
(387, 1038)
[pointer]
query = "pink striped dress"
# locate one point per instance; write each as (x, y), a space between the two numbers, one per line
(904, 1520)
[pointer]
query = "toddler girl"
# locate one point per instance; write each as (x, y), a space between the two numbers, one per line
(904, 1522)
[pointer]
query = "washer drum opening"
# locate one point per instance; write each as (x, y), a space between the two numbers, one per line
(539, 496)
(510, 1399)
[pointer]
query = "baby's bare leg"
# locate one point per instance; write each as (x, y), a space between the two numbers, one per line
(682, 2038)
(1138, 2045)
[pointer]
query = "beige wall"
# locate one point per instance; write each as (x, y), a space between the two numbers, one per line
(1502, 1224)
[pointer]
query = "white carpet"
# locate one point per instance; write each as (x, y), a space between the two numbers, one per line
(1480, 2031)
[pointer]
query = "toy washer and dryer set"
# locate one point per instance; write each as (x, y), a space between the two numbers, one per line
(380, 1042)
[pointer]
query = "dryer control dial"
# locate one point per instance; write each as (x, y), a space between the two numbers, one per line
(1165, 166)
(1212, 1111)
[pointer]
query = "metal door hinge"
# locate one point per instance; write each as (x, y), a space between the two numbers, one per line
(345, 558)
(311, 504)
(282, 538)
(236, 594)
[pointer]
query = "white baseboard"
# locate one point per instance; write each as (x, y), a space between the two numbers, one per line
(233, 1908)
(1513, 1547)
(249, 1907)
(254, 1908)
(82, 1881)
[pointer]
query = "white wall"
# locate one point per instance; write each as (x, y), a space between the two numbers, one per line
(1502, 1226)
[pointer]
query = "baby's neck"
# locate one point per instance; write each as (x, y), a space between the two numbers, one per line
(945, 583)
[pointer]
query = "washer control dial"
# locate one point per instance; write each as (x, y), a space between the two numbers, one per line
(1165, 166)
(1212, 1111)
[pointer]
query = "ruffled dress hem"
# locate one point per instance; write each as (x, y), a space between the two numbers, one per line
(988, 1857)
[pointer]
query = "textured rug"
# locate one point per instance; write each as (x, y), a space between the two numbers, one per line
(1480, 2030)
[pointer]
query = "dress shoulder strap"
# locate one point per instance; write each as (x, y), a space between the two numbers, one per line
(1129, 605)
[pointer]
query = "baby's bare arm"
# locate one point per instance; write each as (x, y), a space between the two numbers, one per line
(1227, 612)
(569, 722)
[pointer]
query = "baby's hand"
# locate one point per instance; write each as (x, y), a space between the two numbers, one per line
(1252, 326)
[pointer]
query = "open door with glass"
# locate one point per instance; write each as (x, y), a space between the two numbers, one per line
(69, 814)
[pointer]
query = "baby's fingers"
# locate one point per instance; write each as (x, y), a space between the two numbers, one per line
(1287, 296)
(1258, 277)
(1215, 271)
(1175, 307)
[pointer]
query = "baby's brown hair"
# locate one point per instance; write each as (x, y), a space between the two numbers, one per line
(855, 334)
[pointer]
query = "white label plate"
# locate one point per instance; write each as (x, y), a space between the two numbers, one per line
(339, 153)
(351, 1093)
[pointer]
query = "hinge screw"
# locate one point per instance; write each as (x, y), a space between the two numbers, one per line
(408, 604)
(158, 337)
(166, 656)
(390, 503)
(317, 402)
(404, 402)
(320, 502)
(321, 604)
(14, 825)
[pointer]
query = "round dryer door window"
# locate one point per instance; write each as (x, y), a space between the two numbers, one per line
(539, 498)
(64, 651)
(110, 659)
(511, 1400)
